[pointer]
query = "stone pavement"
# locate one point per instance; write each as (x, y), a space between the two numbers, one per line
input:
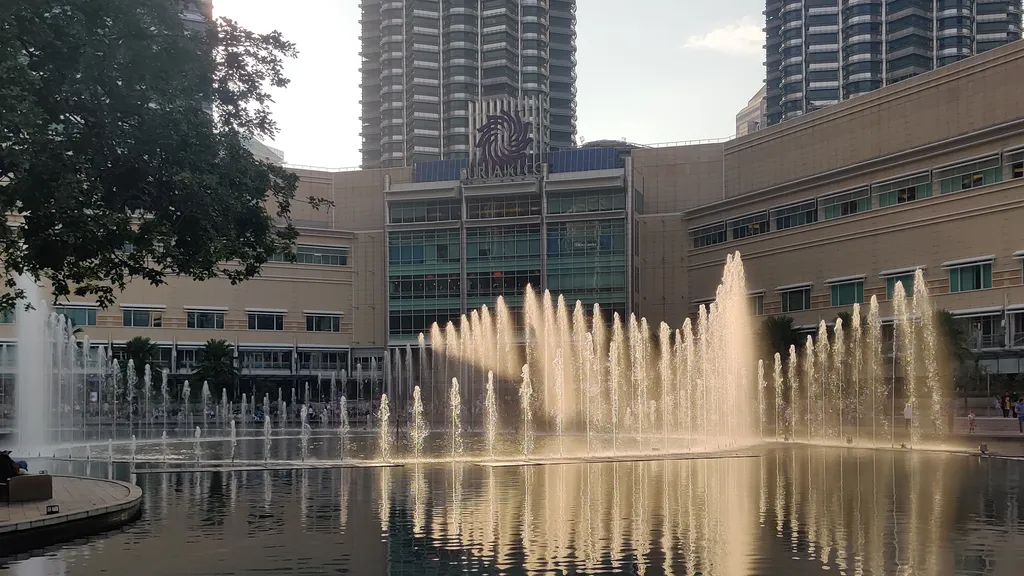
(78, 498)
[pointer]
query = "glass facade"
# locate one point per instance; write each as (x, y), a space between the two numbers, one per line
(572, 242)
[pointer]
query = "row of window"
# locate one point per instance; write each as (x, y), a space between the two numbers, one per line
(203, 320)
(312, 254)
(962, 278)
(890, 193)
(450, 209)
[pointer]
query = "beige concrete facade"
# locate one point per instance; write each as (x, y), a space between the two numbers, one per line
(355, 291)
(967, 112)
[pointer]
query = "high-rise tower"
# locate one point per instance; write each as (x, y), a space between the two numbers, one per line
(820, 52)
(424, 61)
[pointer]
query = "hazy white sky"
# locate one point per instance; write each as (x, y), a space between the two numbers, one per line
(649, 70)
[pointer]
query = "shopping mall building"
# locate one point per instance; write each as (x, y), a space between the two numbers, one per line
(827, 210)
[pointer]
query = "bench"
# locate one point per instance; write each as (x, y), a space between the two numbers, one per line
(27, 488)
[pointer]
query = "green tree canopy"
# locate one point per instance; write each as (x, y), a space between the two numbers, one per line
(123, 147)
(216, 366)
(779, 334)
(142, 351)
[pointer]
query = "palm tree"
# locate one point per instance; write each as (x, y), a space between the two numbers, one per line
(779, 334)
(140, 351)
(217, 366)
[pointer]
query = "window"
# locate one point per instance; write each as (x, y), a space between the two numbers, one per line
(795, 215)
(985, 331)
(846, 204)
(78, 315)
(142, 318)
(323, 360)
(424, 211)
(424, 247)
(323, 255)
(757, 304)
(751, 225)
(1015, 160)
(502, 207)
(967, 176)
(503, 243)
(586, 239)
(7, 317)
(323, 323)
(903, 190)
(708, 235)
(206, 320)
(971, 277)
(266, 321)
(578, 201)
(188, 359)
(890, 284)
(796, 299)
(267, 359)
(847, 293)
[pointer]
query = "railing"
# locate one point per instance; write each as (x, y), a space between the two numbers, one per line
(1018, 339)
(320, 168)
(689, 142)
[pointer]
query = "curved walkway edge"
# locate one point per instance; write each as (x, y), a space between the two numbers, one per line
(87, 506)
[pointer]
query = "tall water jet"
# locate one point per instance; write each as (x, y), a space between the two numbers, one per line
(903, 349)
(147, 393)
(148, 386)
(383, 433)
(205, 394)
(266, 427)
(777, 381)
(615, 365)
(559, 376)
(234, 440)
(822, 349)
(186, 407)
(838, 363)
(198, 446)
(164, 450)
(455, 418)
(418, 429)
(33, 365)
(761, 385)
(525, 395)
(809, 383)
(876, 384)
(666, 373)
(932, 384)
(304, 431)
(490, 415)
(857, 343)
(343, 425)
(224, 410)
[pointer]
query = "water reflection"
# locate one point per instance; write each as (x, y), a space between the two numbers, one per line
(785, 511)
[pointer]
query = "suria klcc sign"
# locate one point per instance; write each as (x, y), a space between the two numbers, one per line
(503, 148)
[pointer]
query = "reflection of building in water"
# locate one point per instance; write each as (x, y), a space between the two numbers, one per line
(584, 517)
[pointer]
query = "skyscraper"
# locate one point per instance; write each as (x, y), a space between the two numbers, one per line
(822, 51)
(424, 61)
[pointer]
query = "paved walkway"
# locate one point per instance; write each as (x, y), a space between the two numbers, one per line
(78, 498)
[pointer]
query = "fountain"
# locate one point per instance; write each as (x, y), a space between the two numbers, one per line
(266, 427)
(198, 448)
(418, 430)
(305, 431)
(343, 426)
(234, 440)
(163, 445)
(147, 387)
(490, 415)
(186, 407)
(383, 433)
(455, 417)
(525, 393)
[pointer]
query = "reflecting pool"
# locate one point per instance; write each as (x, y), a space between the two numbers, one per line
(771, 510)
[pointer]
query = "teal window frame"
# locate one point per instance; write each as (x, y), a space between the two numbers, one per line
(903, 190)
(1015, 161)
(796, 300)
(970, 277)
(794, 215)
(846, 204)
(847, 293)
(708, 235)
(891, 281)
(414, 211)
(969, 175)
(749, 225)
(7, 317)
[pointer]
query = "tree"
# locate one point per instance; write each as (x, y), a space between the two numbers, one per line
(217, 366)
(955, 348)
(112, 166)
(141, 351)
(779, 334)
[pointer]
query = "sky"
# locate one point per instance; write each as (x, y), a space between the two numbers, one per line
(649, 71)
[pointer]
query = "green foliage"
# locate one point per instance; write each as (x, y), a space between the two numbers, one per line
(112, 166)
(216, 366)
(779, 334)
(953, 339)
(141, 351)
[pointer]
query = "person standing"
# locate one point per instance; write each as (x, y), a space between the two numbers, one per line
(1020, 414)
(1007, 404)
(908, 416)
